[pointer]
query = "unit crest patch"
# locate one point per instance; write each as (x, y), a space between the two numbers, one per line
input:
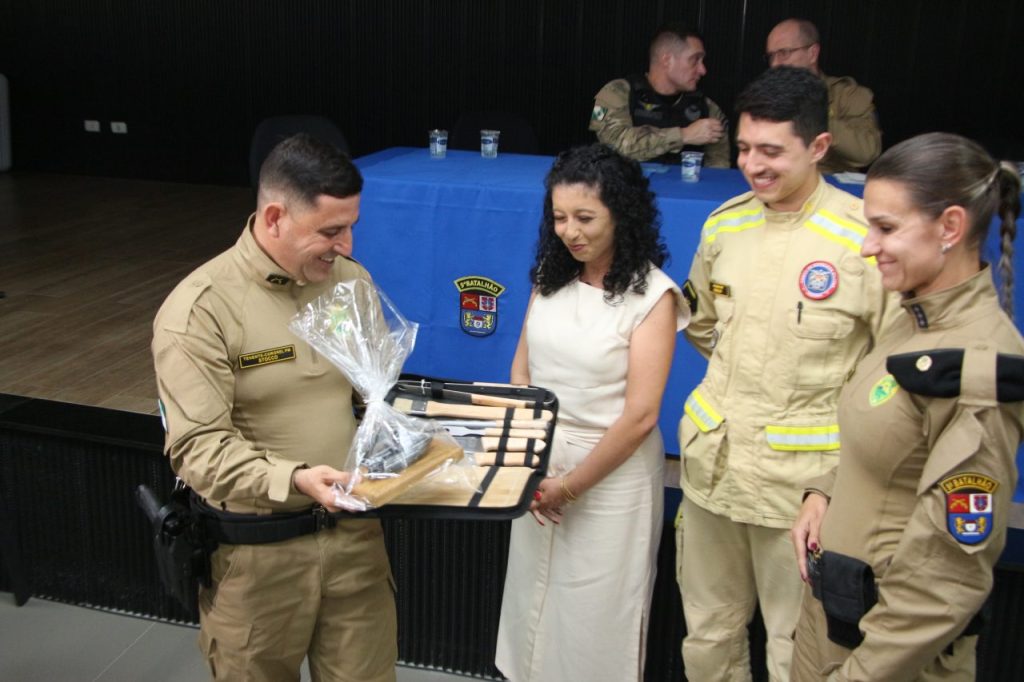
(969, 506)
(819, 280)
(478, 304)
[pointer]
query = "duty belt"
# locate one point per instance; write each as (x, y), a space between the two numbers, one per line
(258, 529)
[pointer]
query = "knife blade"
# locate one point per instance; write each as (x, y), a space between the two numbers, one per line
(494, 431)
(490, 444)
(424, 389)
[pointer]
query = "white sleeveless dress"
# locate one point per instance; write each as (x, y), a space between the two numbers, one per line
(577, 594)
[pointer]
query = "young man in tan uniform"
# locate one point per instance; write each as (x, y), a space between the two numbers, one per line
(856, 139)
(783, 307)
(258, 423)
(654, 116)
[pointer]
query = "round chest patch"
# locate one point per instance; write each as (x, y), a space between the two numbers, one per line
(819, 280)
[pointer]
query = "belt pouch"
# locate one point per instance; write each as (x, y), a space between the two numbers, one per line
(847, 593)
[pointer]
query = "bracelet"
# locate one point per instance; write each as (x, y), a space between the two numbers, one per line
(568, 494)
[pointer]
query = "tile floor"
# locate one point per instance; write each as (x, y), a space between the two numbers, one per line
(46, 641)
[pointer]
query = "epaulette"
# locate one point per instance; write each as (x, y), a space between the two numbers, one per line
(177, 309)
(936, 373)
(732, 203)
(855, 209)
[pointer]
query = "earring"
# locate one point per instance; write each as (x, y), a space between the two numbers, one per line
(945, 248)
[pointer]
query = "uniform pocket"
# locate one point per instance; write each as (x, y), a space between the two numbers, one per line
(720, 337)
(800, 450)
(815, 357)
(703, 453)
(224, 643)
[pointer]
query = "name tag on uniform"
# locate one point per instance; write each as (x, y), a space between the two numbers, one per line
(266, 357)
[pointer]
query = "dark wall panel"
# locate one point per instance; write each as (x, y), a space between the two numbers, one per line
(192, 78)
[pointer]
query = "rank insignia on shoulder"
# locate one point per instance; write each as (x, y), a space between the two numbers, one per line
(936, 373)
(719, 289)
(478, 304)
(818, 280)
(883, 390)
(690, 294)
(278, 279)
(969, 506)
(266, 357)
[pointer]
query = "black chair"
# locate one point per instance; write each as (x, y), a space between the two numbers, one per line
(517, 135)
(272, 130)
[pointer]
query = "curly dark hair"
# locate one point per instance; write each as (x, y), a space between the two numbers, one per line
(623, 189)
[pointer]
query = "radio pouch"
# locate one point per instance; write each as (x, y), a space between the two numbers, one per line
(847, 593)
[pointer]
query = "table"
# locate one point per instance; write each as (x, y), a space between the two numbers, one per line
(427, 223)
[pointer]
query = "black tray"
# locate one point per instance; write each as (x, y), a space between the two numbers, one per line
(511, 488)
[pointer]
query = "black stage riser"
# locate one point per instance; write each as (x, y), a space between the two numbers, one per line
(83, 541)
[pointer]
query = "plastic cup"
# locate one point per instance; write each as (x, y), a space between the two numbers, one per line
(438, 143)
(489, 143)
(690, 163)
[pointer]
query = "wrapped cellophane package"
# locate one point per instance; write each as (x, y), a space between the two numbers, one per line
(360, 331)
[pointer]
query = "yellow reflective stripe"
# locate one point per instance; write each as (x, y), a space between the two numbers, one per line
(839, 230)
(803, 438)
(736, 221)
(702, 414)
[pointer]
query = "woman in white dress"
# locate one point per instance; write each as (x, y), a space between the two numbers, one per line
(600, 332)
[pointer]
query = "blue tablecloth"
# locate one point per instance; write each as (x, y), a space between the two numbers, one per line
(426, 223)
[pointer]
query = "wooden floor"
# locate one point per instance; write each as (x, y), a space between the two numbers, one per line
(84, 264)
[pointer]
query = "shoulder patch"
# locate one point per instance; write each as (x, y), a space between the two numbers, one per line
(936, 373)
(969, 506)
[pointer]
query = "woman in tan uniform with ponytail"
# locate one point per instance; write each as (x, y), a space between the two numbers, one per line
(898, 544)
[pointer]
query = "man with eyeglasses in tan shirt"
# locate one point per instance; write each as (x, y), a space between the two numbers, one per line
(856, 139)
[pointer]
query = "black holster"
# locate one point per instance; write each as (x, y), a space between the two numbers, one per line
(180, 544)
(846, 588)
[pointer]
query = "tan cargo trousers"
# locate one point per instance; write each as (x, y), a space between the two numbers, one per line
(725, 569)
(329, 595)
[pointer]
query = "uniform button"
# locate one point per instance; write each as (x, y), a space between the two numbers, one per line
(924, 363)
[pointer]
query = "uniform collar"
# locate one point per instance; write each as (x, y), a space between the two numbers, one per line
(795, 219)
(262, 267)
(975, 296)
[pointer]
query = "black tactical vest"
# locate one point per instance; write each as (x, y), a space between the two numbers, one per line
(648, 108)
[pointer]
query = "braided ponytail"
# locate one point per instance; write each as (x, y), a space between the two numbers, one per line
(1008, 182)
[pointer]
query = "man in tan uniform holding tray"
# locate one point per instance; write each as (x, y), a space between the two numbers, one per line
(257, 423)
